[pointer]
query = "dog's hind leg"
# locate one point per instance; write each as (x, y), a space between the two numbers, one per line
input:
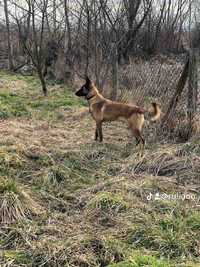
(142, 142)
(140, 139)
(142, 145)
(136, 123)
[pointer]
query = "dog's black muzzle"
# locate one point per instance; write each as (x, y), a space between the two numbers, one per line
(81, 92)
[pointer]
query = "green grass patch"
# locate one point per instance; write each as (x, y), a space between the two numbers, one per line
(105, 250)
(8, 186)
(12, 106)
(191, 148)
(106, 201)
(142, 261)
(17, 257)
(10, 162)
(24, 98)
(174, 235)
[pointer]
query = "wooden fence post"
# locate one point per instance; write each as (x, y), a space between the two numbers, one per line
(198, 85)
(192, 89)
(179, 89)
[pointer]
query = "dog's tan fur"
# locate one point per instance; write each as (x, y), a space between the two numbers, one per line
(103, 110)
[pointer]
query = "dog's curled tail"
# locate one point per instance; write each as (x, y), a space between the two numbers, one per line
(154, 112)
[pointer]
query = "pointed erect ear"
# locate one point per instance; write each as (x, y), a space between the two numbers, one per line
(88, 82)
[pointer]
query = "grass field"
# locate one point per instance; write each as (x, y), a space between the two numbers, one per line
(68, 201)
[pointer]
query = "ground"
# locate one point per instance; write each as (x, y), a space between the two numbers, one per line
(66, 200)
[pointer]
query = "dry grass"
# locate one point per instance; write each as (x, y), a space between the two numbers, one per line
(68, 201)
(16, 202)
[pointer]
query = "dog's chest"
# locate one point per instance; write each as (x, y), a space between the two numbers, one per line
(92, 112)
(96, 110)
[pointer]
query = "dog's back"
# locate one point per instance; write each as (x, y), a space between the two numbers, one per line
(114, 110)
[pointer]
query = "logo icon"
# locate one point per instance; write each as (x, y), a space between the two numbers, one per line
(149, 197)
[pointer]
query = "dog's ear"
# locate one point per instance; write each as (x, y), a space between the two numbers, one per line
(88, 82)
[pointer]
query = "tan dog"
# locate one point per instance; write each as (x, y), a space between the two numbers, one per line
(103, 110)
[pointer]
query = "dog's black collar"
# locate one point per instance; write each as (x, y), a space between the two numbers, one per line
(88, 98)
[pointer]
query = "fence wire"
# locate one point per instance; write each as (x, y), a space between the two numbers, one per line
(142, 82)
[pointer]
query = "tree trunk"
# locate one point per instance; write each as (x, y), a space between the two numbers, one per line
(114, 74)
(88, 40)
(10, 59)
(54, 15)
(68, 50)
(42, 80)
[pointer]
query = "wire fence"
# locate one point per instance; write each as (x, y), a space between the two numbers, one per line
(141, 82)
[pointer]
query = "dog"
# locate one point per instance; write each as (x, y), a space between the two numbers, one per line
(104, 110)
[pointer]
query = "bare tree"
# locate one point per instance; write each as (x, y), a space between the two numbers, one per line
(88, 35)
(10, 58)
(134, 23)
(35, 46)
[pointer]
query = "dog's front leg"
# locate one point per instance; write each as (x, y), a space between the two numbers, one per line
(137, 141)
(96, 134)
(99, 130)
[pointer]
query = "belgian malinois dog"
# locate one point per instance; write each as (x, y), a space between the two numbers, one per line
(103, 110)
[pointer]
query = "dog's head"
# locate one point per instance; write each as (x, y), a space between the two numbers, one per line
(85, 89)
